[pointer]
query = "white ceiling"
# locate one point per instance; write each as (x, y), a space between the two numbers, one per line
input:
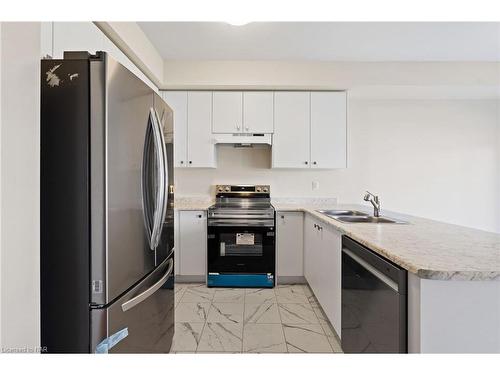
(326, 41)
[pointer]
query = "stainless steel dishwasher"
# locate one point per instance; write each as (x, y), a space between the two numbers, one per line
(374, 302)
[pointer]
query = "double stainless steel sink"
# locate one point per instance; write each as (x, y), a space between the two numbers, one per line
(353, 216)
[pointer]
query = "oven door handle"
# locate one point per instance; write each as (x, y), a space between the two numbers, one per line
(246, 223)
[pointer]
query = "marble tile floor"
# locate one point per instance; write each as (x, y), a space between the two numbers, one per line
(286, 319)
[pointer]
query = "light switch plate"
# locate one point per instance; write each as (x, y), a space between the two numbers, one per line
(315, 185)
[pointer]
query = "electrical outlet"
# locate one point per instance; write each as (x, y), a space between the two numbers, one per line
(315, 185)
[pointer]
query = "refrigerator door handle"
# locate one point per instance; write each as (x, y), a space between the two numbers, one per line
(162, 211)
(153, 224)
(149, 292)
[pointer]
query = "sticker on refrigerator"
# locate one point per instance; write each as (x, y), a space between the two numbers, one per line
(97, 286)
(105, 345)
(245, 239)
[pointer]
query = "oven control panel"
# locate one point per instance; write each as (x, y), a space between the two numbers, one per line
(243, 189)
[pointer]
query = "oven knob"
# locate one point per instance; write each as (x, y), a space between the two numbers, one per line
(226, 189)
(265, 190)
(220, 189)
(258, 189)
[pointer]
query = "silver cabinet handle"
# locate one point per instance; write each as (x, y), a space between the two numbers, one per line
(149, 292)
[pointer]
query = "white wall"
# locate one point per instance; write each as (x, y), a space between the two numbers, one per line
(433, 158)
(20, 185)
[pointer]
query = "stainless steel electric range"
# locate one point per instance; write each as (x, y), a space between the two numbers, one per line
(241, 237)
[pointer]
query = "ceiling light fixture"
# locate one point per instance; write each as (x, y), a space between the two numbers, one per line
(238, 23)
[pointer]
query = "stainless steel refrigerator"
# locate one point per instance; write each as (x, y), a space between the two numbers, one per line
(107, 221)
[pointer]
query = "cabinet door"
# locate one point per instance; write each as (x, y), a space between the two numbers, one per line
(328, 130)
(291, 130)
(193, 243)
(200, 145)
(258, 112)
(228, 109)
(329, 273)
(289, 244)
(177, 100)
(76, 36)
(310, 252)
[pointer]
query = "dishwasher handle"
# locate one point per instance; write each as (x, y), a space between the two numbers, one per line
(379, 275)
(386, 271)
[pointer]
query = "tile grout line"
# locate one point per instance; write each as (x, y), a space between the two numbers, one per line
(203, 329)
(281, 323)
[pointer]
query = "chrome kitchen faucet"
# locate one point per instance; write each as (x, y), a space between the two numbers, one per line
(373, 199)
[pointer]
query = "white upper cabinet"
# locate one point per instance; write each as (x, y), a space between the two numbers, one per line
(328, 130)
(177, 100)
(242, 112)
(309, 130)
(258, 112)
(200, 144)
(228, 108)
(291, 130)
(193, 142)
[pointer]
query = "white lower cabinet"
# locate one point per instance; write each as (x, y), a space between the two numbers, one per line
(289, 245)
(191, 247)
(322, 267)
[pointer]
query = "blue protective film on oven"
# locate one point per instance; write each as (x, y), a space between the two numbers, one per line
(241, 280)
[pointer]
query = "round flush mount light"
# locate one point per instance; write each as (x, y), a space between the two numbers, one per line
(238, 23)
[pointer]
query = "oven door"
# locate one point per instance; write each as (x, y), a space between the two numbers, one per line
(245, 250)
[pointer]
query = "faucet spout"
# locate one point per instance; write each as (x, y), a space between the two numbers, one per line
(375, 201)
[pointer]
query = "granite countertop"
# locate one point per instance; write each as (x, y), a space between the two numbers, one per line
(193, 203)
(428, 248)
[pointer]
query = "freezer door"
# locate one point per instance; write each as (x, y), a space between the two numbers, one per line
(165, 114)
(124, 132)
(146, 312)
